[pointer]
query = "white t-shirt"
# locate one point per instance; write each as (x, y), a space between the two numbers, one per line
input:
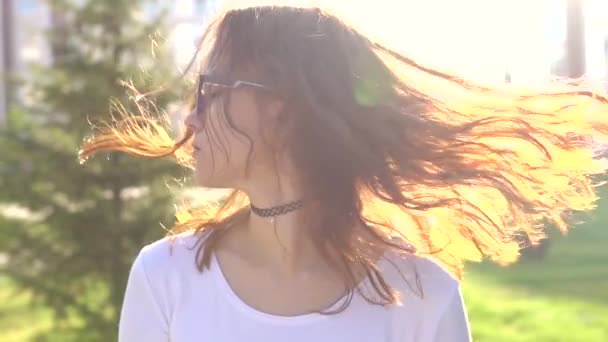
(168, 299)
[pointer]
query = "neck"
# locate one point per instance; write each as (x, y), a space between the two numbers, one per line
(281, 241)
(278, 210)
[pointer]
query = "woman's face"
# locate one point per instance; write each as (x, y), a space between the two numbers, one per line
(227, 126)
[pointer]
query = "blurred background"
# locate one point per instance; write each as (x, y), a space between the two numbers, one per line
(69, 232)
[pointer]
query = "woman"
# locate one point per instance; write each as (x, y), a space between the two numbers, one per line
(363, 181)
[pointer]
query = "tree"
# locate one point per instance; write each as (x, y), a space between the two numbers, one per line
(76, 229)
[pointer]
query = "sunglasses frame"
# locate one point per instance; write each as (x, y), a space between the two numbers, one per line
(204, 79)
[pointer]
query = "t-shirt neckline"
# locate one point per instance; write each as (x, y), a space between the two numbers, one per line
(248, 310)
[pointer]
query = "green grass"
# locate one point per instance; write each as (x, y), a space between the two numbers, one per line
(562, 298)
(499, 313)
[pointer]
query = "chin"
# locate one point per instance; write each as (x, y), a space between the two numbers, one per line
(221, 175)
(208, 179)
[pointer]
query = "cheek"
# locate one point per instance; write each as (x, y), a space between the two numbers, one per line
(227, 138)
(227, 141)
(242, 109)
(244, 134)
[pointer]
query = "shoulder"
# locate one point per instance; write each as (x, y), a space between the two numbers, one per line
(169, 246)
(160, 275)
(169, 255)
(427, 292)
(440, 309)
(434, 276)
(420, 279)
(168, 268)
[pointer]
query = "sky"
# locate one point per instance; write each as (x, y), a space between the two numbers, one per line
(478, 38)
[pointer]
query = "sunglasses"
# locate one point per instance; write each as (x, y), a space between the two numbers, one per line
(211, 86)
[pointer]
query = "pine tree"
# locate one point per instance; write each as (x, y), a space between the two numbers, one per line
(78, 227)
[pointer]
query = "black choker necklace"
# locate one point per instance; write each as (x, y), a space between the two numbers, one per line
(278, 210)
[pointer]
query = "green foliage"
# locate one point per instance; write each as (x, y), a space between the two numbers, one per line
(69, 232)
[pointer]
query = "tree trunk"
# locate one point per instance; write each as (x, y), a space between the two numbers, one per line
(575, 39)
(7, 49)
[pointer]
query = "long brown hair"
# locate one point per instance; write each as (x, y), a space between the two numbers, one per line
(391, 147)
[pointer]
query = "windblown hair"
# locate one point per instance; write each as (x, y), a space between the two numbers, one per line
(457, 170)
